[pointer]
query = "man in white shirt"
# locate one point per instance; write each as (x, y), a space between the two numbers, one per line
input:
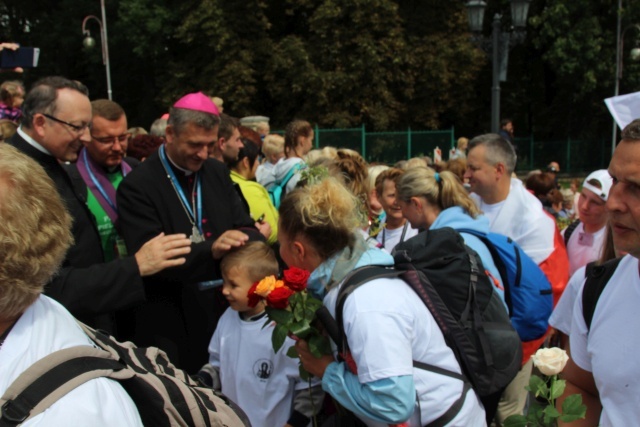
(514, 212)
(35, 230)
(603, 364)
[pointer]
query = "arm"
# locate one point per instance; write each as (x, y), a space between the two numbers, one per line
(581, 382)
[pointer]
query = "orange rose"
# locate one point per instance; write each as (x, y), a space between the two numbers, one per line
(265, 286)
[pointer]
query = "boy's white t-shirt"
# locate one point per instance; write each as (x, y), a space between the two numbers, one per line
(610, 349)
(387, 327)
(260, 381)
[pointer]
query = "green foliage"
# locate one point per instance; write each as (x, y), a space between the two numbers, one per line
(547, 415)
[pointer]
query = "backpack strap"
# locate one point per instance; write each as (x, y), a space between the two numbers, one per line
(597, 278)
(569, 231)
(51, 378)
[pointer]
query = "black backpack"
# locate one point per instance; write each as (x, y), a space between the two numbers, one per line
(449, 278)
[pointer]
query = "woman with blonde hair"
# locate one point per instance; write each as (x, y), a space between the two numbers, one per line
(433, 200)
(385, 323)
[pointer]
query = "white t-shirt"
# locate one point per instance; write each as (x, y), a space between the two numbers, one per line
(610, 349)
(390, 238)
(521, 217)
(260, 381)
(583, 247)
(43, 328)
(387, 327)
(563, 313)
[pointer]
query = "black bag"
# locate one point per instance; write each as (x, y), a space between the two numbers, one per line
(163, 394)
(449, 278)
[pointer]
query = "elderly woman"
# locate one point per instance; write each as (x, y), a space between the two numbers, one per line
(385, 323)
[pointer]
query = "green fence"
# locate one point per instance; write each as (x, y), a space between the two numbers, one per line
(574, 156)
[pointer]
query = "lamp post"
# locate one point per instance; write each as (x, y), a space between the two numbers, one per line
(500, 44)
(90, 42)
(634, 55)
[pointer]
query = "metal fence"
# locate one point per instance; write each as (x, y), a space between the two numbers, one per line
(574, 156)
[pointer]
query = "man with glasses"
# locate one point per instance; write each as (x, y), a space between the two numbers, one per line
(55, 125)
(100, 169)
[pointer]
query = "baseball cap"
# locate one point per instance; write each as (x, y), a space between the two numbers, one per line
(605, 180)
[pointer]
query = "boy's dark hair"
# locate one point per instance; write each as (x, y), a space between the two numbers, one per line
(257, 258)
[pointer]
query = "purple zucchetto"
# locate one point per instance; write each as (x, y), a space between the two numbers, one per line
(198, 102)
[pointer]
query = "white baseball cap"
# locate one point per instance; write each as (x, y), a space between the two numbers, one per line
(605, 180)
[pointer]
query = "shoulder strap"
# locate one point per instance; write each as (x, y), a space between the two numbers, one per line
(352, 282)
(51, 378)
(285, 180)
(597, 278)
(569, 231)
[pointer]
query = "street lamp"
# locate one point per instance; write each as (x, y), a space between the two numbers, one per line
(634, 55)
(500, 44)
(89, 42)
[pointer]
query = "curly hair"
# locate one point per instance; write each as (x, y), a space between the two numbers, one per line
(34, 229)
(325, 212)
(449, 192)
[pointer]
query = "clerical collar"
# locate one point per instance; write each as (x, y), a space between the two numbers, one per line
(33, 142)
(186, 172)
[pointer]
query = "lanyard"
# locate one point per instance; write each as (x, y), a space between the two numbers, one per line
(97, 183)
(188, 207)
(404, 231)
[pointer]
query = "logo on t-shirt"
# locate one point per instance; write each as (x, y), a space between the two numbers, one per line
(263, 368)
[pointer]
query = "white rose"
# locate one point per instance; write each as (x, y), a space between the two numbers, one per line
(550, 361)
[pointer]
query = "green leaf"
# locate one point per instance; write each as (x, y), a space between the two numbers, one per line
(281, 317)
(292, 352)
(538, 386)
(300, 329)
(573, 409)
(550, 414)
(299, 312)
(557, 388)
(319, 345)
(278, 336)
(515, 421)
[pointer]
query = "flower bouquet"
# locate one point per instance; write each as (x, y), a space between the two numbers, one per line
(293, 310)
(550, 362)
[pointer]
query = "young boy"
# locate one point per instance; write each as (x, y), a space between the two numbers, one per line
(266, 385)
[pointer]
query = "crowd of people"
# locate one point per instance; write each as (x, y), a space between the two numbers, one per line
(158, 237)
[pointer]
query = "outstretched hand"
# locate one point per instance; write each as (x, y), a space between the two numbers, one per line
(162, 252)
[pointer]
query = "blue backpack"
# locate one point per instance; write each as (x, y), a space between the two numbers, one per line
(277, 190)
(527, 290)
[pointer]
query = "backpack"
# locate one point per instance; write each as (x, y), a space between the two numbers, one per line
(597, 278)
(569, 231)
(527, 290)
(448, 277)
(163, 394)
(278, 189)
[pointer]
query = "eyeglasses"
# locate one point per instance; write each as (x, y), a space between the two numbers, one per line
(75, 128)
(112, 139)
